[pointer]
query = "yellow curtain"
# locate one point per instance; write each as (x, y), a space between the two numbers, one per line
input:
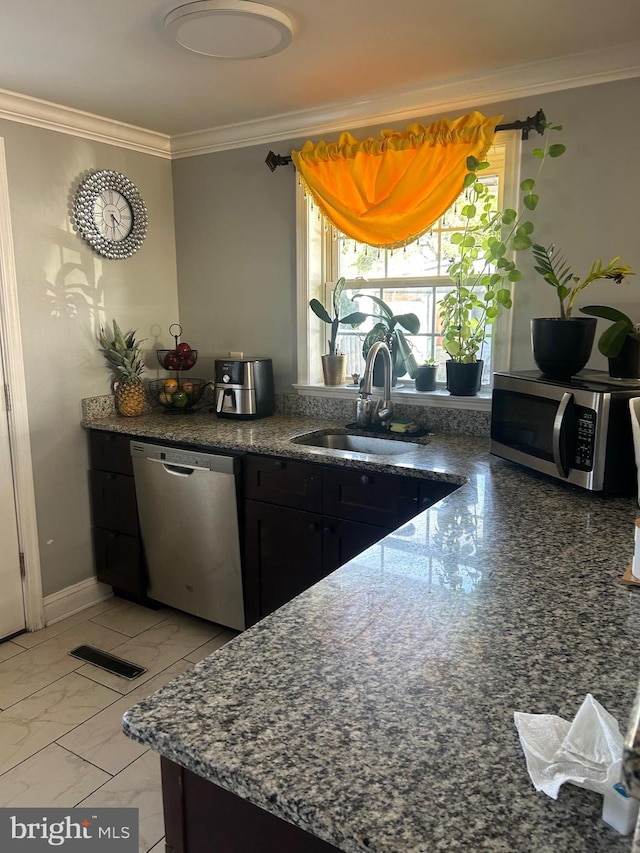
(387, 192)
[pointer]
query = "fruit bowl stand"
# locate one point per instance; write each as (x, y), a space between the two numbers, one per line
(177, 395)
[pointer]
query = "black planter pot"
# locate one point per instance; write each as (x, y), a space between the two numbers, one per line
(378, 371)
(626, 365)
(561, 348)
(463, 380)
(426, 378)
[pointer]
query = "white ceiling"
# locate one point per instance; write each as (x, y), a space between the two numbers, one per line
(114, 59)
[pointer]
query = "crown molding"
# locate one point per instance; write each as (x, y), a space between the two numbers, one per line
(50, 116)
(532, 78)
(529, 79)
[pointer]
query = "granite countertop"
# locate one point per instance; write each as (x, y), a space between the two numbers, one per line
(376, 709)
(437, 457)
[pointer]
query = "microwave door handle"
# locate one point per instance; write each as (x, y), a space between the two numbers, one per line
(558, 424)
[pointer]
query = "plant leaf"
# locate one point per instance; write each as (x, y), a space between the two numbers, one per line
(319, 310)
(612, 339)
(409, 321)
(354, 319)
(388, 313)
(607, 313)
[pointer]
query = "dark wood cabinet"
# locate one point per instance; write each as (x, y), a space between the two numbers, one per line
(370, 498)
(303, 520)
(201, 817)
(343, 540)
(113, 500)
(283, 554)
(109, 451)
(119, 561)
(284, 482)
(117, 546)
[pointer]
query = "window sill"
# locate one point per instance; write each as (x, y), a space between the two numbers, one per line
(439, 399)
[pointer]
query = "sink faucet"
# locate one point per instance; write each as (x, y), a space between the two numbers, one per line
(381, 412)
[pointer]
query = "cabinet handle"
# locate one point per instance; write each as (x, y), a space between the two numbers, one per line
(280, 464)
(365, 480)
(313, 527)
(328, 531)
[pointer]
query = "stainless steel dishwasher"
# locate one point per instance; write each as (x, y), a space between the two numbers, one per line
(188, 512)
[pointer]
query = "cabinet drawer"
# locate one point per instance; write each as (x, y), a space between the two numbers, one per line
(113, 501)
(119, 561)
(378, 499)
(284, 482)
(110, 452)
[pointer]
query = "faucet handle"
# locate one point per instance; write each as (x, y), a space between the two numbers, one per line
(384, 415)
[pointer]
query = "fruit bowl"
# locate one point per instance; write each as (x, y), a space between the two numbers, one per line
(177, 395)
(172, 359)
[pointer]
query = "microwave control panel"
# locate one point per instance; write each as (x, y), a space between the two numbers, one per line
(585, 439)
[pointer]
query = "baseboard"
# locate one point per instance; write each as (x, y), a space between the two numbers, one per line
(74, 598)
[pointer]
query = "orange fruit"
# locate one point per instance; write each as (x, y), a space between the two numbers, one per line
(170, 386)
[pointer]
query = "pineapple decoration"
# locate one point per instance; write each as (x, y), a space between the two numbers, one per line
(124, 357)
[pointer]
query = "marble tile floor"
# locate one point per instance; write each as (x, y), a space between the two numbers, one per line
(61, 742)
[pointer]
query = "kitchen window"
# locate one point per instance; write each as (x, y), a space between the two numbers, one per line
(409, 279)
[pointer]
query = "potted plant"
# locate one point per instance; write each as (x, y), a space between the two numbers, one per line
(334, 363)
(562, 345)
(389, 328)
(620, 343)
(481, 270)
(426, 375)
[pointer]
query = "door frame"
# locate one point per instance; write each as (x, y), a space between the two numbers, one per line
(17, 414)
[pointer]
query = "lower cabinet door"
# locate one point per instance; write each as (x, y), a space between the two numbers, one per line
(344, 540)
(283, 554)
(119, 561)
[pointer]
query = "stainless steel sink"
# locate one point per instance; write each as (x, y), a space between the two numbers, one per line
(357, 443)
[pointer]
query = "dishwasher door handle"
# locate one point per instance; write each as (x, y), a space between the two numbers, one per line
(177, 470)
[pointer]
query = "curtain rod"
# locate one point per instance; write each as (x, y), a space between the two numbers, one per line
(536, 122)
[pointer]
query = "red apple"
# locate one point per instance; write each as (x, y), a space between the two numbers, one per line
(187, 359)
(183, 348)
(172, 360)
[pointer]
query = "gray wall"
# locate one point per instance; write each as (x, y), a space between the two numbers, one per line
(65, 292)
(588, 203)
(236, 246)
(235, 227)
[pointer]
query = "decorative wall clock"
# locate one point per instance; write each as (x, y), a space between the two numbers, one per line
(110, 214)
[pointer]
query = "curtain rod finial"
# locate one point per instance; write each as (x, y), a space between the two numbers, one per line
(275, 160)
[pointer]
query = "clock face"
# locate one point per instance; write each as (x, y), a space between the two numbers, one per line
(110, 214)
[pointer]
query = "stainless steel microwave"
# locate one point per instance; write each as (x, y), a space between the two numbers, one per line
(577, 430)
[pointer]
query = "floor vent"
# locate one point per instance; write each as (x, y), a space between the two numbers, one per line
(117, 666)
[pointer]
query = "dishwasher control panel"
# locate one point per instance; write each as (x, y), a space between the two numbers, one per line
(184, 457)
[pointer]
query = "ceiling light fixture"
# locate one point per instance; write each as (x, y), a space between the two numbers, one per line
(230, 29)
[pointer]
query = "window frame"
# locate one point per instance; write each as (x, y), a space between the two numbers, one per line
(316, 268)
